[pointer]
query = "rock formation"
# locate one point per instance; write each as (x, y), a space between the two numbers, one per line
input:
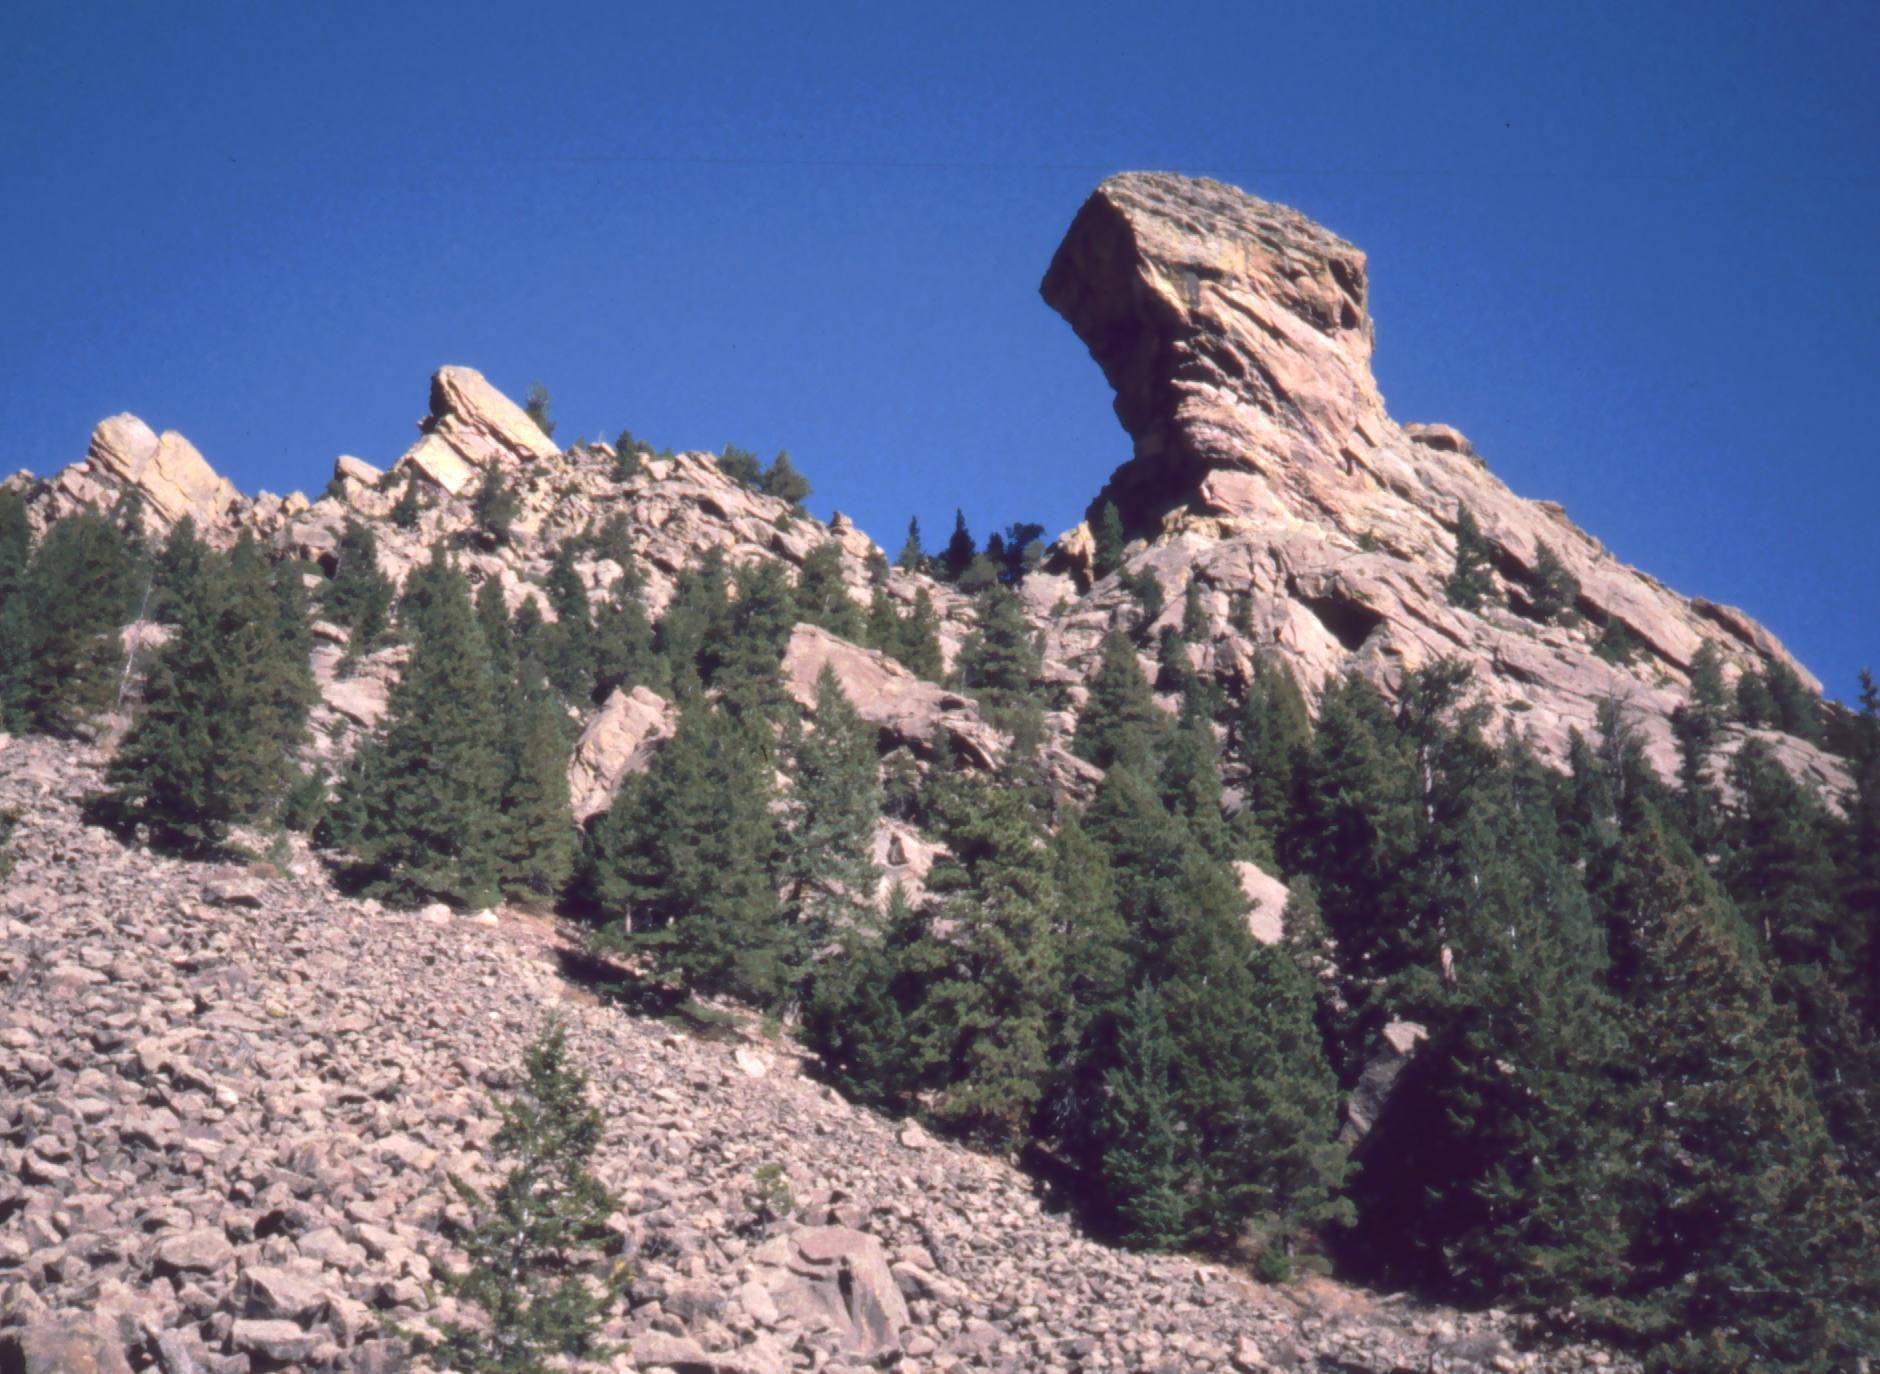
(1236, 336)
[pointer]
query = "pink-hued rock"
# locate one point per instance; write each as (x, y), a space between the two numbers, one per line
(889, 696)
(620, 740)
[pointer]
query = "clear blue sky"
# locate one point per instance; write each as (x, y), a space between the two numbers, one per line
(1629, 249)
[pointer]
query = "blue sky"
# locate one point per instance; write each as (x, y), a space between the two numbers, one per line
(1629, 249)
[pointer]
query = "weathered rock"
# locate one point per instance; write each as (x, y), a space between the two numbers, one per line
(1266, 902)
(621, 739)
(202, 1250)
(462, 401)
(1371, 1094)
(69, 1345)
(888, 696)
(845, 1273)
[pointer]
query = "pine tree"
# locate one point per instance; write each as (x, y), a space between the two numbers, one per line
(749, 663)
(418, 807)
(822, 597)
(1120, 719)
(407, 508)
(741, 466)
(495, 507)
(623, 644)
(70, 606)
(960, 551)
(1266, 745)
(263, 642)
(537, 840)
(983, 1030)
(571, 654)
(999, 661)
(1553, 592)
(783, 481)
(1194, 615)
(359, 597)
(536, 405)
(1143, 1168)
(531, 1248)
(683, 861)
(828, 870)
(1107, 537)
(919, 645)
(881, 630)
(912, 558)
(692, 634)
(1190, 782)
(1472, 582)
(16, 543)
(855, 1010)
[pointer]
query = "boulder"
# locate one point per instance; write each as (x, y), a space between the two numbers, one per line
(73, 1344)
(1396, 1048)
(841, 1275)
(1266, 902)
(463, 396)
(889, 697)
(620, 740)
(173, 479)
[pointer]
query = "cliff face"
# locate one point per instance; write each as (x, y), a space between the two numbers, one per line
(1236, 336)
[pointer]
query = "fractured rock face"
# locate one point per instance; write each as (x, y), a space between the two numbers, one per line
(620, 740)
(164, 471)
(1236, 335)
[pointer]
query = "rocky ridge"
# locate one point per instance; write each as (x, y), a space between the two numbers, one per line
(232, 1098)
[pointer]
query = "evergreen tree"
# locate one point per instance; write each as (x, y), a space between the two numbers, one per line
(406, 509)
(691, 635)
(1146, 588)
(623, 644)
(828, 870)
(16, 543)
(1472, 582)
(537, 840)
(1190, 781)
(919, 645)
(1744, 1250)
(983, 1030)
(822, 597)
(999, 661)
(418, 807)
(1249, 1077)
(1143, 1169)
(855, 1011)
(495, 507)
(912, 557)
(1107, 537)
(960, 551)
(1120, 719)
(536, 405)
(882, 629)
(1023, 548)
(264, 643)
(683, 861)
(529, 1249)
(740, 465)
(1553, 592)
(359, 597)
(571, 656)
(1194, 616)
(749, 672)
(1266, 744)
(67, 614)
(1794, 709)
(783, 481)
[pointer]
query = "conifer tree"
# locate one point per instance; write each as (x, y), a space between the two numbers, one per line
(70, 606)
(16, 543)
(999, 661)
(1143, 1169)
(16, 552)
(1120, 719)
(418, 807)
(749, 662)
(855, 1012)
(912, 558)
(1472, 581)
(263, 642)
(881, 630)
(691, 635)
(919, 649)
(623, 644)
(1695, 726)
(407, 508)
(527, 1251)
(741, 466)
(822, 597)
(1267, 742)
(571, 655)
(359, 597)
(1194, 616)
(537, 840)
(960, 551)
(1107, 535)
(983, 1030)
(782, 480)
(495, 507)
(1190, 781)
(536, 405)
(1553, 592)
(683, 861)
(828, 870)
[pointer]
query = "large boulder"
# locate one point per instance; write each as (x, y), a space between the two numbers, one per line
(620, 740)
(74, 1344)
(840, 1276)
(906, 708)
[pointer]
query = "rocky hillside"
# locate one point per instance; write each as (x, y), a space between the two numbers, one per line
(231, 1100)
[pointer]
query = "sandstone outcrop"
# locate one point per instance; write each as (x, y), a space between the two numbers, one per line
(621, 739)
(227, 1133)
(1237, 338)
(126, 457)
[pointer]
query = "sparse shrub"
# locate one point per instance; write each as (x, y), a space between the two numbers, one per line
(1617, 644)
(769, 1196)
(1472, 584)
(9, 823)
(740, 465)
(537, 405)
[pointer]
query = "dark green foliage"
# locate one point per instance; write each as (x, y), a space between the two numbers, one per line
(912, 558)
(741, 466)
(16, 543)
(999, 661)
(984, 571)
(749, 663)
(1020, 549)
(536, 404)
(629, 457)
(537, 1268)
(1794, 709)
(1194, 616)
(1471, 583)
(537, 840)
(359, 596)
(822, 597)
(1120, 720)
(683, 861)
(418, 806)
(1266, 744)
(960, 551)
(690, 636)
(570, 660)
(623, 644)
(1146, 588)
(1190, 782)
(1553, 592)
(782, 480)
(828, 872)
(1107, 535)
(1143, 1167)
(855, 1013)
(1617, 644)
(407, 508)
(1696, 725)
(225, 707)
(9, 825)
(495, 507)
(64, 658)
